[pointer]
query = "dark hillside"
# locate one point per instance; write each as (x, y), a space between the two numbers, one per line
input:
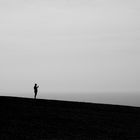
(23, 118)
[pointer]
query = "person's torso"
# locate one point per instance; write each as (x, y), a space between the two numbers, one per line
(35, 87)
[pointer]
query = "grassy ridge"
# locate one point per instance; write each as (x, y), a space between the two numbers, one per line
(23, 118)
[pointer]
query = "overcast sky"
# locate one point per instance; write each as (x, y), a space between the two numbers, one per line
(71, 48)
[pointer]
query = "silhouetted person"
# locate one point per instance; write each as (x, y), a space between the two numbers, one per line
(35, 90)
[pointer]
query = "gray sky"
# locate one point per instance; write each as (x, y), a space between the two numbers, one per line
(71, 48)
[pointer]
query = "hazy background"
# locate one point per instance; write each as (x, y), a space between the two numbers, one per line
(84, 50)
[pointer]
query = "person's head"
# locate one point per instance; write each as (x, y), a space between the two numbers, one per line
(35, 84)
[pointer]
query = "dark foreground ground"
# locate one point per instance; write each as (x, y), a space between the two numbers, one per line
(28, 119)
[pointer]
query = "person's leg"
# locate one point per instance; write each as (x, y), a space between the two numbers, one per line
(35, 94)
